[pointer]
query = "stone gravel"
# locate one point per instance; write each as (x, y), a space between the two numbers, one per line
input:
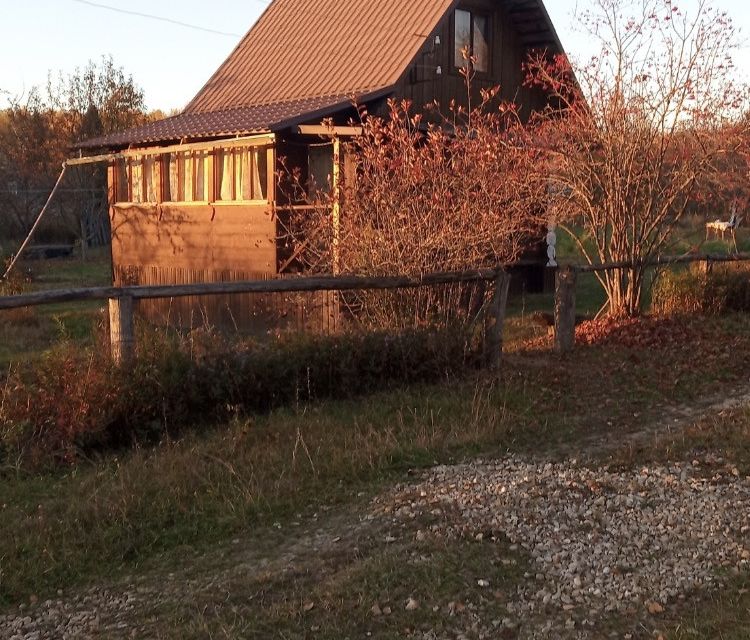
(599, 542)
(97, 613)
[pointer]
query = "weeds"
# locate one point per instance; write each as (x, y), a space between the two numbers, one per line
(688, 292)
(58, 530)
(74, 402)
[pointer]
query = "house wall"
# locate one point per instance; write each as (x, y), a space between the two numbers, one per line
(178, 243)
(194, 237)
(173, 244)
(422, 85)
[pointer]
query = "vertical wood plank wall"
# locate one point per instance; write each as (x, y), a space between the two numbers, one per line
(174, 244)
(422, 85)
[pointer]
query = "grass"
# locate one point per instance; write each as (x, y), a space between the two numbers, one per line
(25, 334)
(335, 599)
(65, 529)
(105, 518)
(178, 508)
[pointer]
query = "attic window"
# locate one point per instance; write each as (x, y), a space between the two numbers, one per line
(471, 32)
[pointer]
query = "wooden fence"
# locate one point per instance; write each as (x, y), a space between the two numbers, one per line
(121, 299)
(567, 277)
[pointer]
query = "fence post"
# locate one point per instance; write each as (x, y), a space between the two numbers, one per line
(496, 319)
(705, 267)
(565, 309)
(121, 337)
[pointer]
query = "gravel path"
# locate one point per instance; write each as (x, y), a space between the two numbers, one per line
(601, 542)
(98, 613)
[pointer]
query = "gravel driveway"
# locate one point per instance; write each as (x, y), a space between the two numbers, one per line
(600, 542)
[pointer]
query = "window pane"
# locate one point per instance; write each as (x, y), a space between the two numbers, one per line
(199, 165)
(152, 179)
(262, 164)
(320, 162)
(481, 50)
(136, 181)
(187, 168)
(462, 36)
(226, 175)
(121, 181)
(166, 172)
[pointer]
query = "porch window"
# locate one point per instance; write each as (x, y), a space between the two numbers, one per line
(242, 174)
(136, 180)
(320, 164)
(222, 175)
(188, 177)
(471, 32)
(152, 178)
(122, 181)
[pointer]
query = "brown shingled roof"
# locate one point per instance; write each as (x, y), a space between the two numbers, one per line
(302, 57)
(303, 48)
(306, 59)
(228, 122)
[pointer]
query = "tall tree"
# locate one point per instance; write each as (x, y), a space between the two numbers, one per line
(635, 133)
(42, 128)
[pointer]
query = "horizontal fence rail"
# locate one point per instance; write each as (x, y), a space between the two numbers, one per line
(291, 285)
(121, 299)
(567, 276)
(662, 261)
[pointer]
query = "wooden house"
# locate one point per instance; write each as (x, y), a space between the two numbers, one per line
(194, 197)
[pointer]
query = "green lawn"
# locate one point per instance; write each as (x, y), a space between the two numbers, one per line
(145, 512)
(26, 333)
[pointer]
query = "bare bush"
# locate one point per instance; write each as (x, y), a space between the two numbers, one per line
(460, 194)
(639, 131)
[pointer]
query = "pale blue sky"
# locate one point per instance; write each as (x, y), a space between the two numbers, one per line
(171, 62)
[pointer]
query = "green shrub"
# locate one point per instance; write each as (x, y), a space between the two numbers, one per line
(76, 403)
(685, 292)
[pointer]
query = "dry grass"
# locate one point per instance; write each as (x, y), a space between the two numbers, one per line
(91, 521)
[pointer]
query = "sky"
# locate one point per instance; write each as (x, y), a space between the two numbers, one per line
(172, 62)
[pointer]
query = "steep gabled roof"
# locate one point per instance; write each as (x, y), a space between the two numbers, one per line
(305, 48)
(308, 58)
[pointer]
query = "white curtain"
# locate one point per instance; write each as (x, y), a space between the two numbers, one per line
(200, 176)
(174, 178)
(152, 179)
(187, 177)
(226, 175)
(136, 181)
(250, 176)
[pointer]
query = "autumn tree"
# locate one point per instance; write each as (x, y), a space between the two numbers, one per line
(461, 191)
(42, 128)
(634, 134)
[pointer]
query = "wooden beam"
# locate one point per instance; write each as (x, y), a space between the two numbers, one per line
(565, 310)
(121, 334)
(336, 208)
(665, 261)
(227, 143)
(288, 285)
(322, 130)
(496, 320)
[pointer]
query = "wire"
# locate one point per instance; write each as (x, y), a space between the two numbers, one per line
(160, 18)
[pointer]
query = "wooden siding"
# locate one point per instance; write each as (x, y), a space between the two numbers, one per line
(257, 314)
(184, 244)
(217, 237)
(422, 85)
